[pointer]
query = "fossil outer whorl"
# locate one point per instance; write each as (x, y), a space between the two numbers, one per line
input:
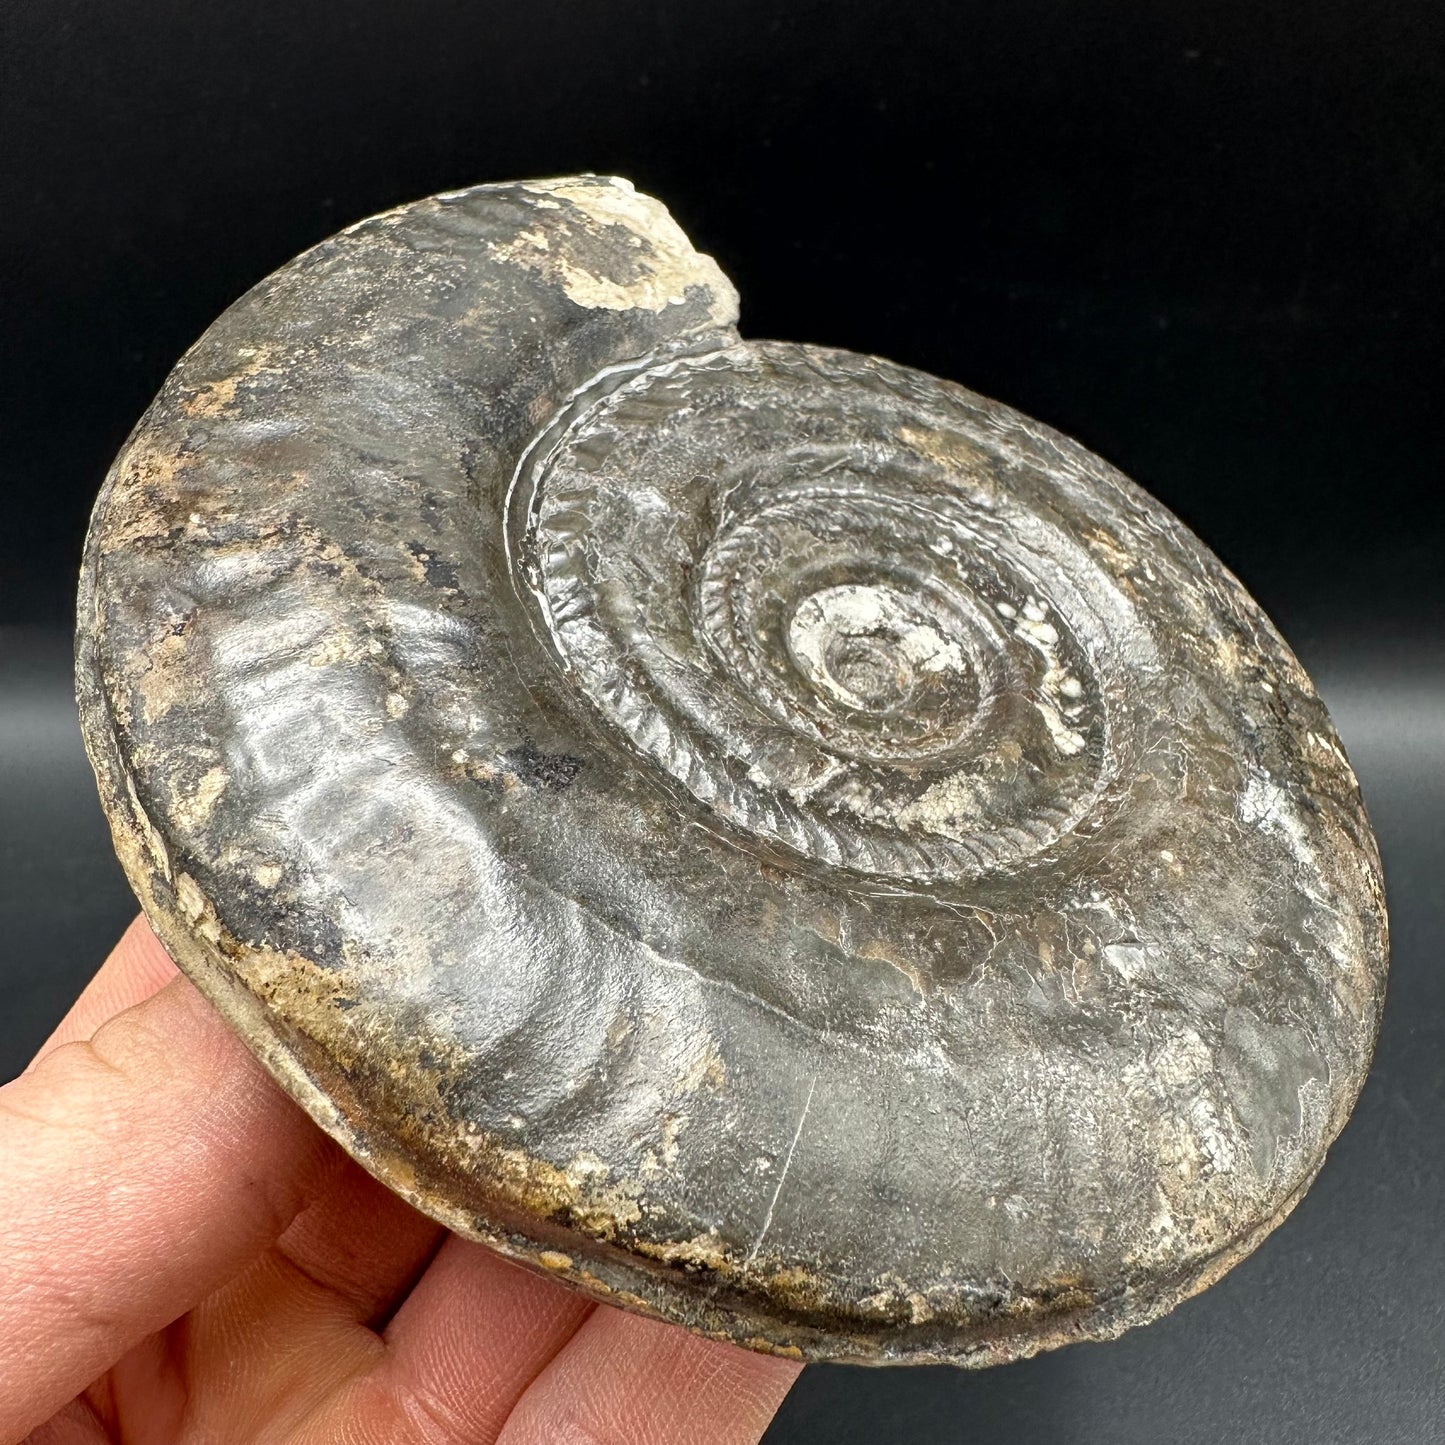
(766, 835)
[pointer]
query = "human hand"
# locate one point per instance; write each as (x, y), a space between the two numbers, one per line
(185, 1257)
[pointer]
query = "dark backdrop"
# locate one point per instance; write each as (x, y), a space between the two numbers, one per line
(1206, 240)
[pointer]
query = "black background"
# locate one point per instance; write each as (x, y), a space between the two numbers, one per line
(1206, 240)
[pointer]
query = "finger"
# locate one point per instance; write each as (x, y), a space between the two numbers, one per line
(295, 1324)
(75, 1424)
(462, 1350)
(634, 1381)
(137, 967)
(142, 1169)
(362, 1245)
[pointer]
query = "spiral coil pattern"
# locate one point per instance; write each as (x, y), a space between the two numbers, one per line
(809, 587)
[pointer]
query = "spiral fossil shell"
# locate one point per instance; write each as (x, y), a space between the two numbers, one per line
(770, 837)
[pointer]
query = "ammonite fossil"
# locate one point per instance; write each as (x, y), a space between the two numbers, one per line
(762, 834)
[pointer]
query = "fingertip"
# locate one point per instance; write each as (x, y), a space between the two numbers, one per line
(137, 967)
(627, 1378)
(142, 955)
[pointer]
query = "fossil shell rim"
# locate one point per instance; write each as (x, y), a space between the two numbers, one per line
(781, 1006)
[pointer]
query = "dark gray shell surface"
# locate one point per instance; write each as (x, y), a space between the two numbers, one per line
(764, 835)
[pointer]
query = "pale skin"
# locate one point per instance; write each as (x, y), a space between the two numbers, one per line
(185, 1258)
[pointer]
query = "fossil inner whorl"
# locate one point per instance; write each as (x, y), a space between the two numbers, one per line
(822, 595)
